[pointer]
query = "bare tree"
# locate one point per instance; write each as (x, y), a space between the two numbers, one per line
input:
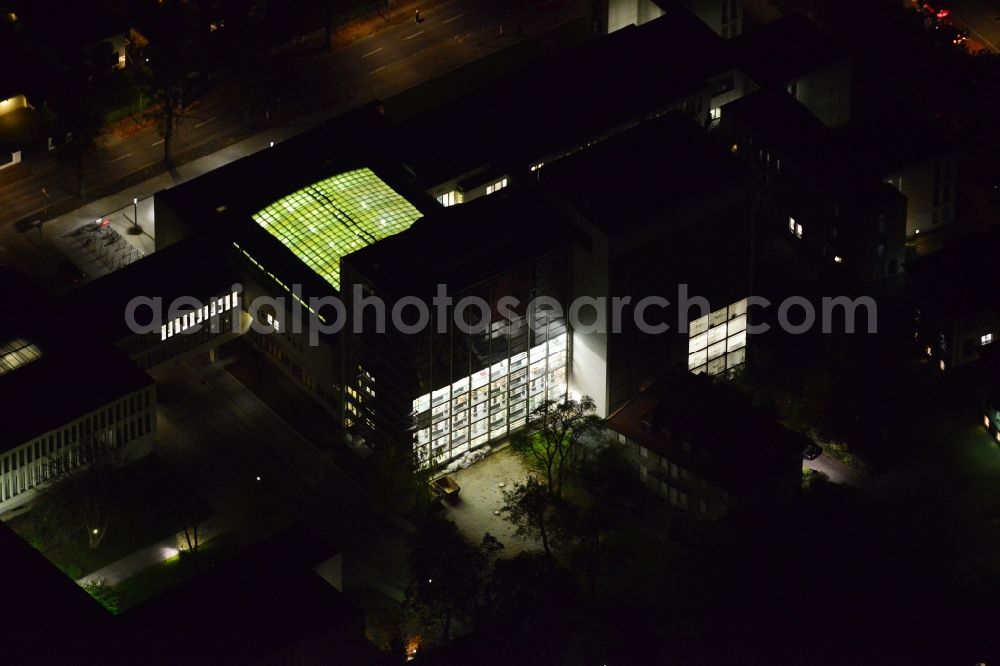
(86, 477)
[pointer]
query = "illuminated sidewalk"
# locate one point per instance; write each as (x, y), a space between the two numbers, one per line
(150, 556)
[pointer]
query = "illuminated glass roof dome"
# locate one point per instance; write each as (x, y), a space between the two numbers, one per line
(332, 218)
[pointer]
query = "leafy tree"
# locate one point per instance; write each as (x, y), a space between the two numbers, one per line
(450, 574)
(554, 446)
(534, 512)
(172, 55)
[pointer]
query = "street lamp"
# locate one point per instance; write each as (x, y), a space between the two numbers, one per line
(135, 213)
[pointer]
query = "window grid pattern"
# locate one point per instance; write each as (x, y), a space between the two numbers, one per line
(38, 461)
(717, 342)
(490, 403)
(17, 353)
(336, 216)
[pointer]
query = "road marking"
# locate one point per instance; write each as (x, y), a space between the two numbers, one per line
(159, 142)
(372, 52)
(414, 35)
(454, 17)
(205, 122)
(121, 157)
(376, 71)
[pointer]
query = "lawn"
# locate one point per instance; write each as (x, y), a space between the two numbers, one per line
(177, 569)
(143, 515)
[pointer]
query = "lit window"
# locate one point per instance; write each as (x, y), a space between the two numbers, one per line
(929, 351)
(273, 322)
(499, 185)
(986, 339)
(838, 259)
(450, 198)
(986, 421)
(941, 365)
(715, 114)
(794, 227)
(538, 166)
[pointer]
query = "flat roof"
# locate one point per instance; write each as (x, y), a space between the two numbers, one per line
(193, 267)
(331, 218)
(786, 49)
(634, 178)
(686, 408)
(557, 103)
(464, 245)
(790, 129)
(61, 386)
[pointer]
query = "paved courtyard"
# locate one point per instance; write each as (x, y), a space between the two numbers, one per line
(481, 496)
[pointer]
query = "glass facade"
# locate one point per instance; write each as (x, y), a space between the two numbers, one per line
(490, 403)
(336, 216)
(717, 342)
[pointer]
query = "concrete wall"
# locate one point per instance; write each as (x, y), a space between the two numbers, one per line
(31, 477)
(588, 374)
(622, 13)
(725, 17)
(826, 93)
(918, 183)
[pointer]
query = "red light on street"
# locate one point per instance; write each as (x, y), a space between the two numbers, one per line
(105, 222)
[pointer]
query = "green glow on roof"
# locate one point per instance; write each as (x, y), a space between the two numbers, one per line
(336, 216)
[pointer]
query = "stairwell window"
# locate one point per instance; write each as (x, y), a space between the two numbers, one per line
(794, 227)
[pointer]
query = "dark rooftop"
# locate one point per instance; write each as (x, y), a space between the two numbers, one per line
(43, 597)
(796, 135)
(696, 409)
(65, 383)
(643, 176)
(63, 26)
(559, 103)
(194, 267)
(463, 245)
(252, 608)
(961, 277)
(784, 50)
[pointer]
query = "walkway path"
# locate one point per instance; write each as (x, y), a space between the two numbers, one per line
(157, 553)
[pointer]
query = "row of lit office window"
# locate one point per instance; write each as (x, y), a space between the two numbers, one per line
(202, 314)
(489, 403)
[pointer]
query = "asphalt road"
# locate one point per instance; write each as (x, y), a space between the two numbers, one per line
(982, 18)
(836, 471)
(320, 85)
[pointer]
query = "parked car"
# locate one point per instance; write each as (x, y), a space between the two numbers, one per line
(812, 452)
